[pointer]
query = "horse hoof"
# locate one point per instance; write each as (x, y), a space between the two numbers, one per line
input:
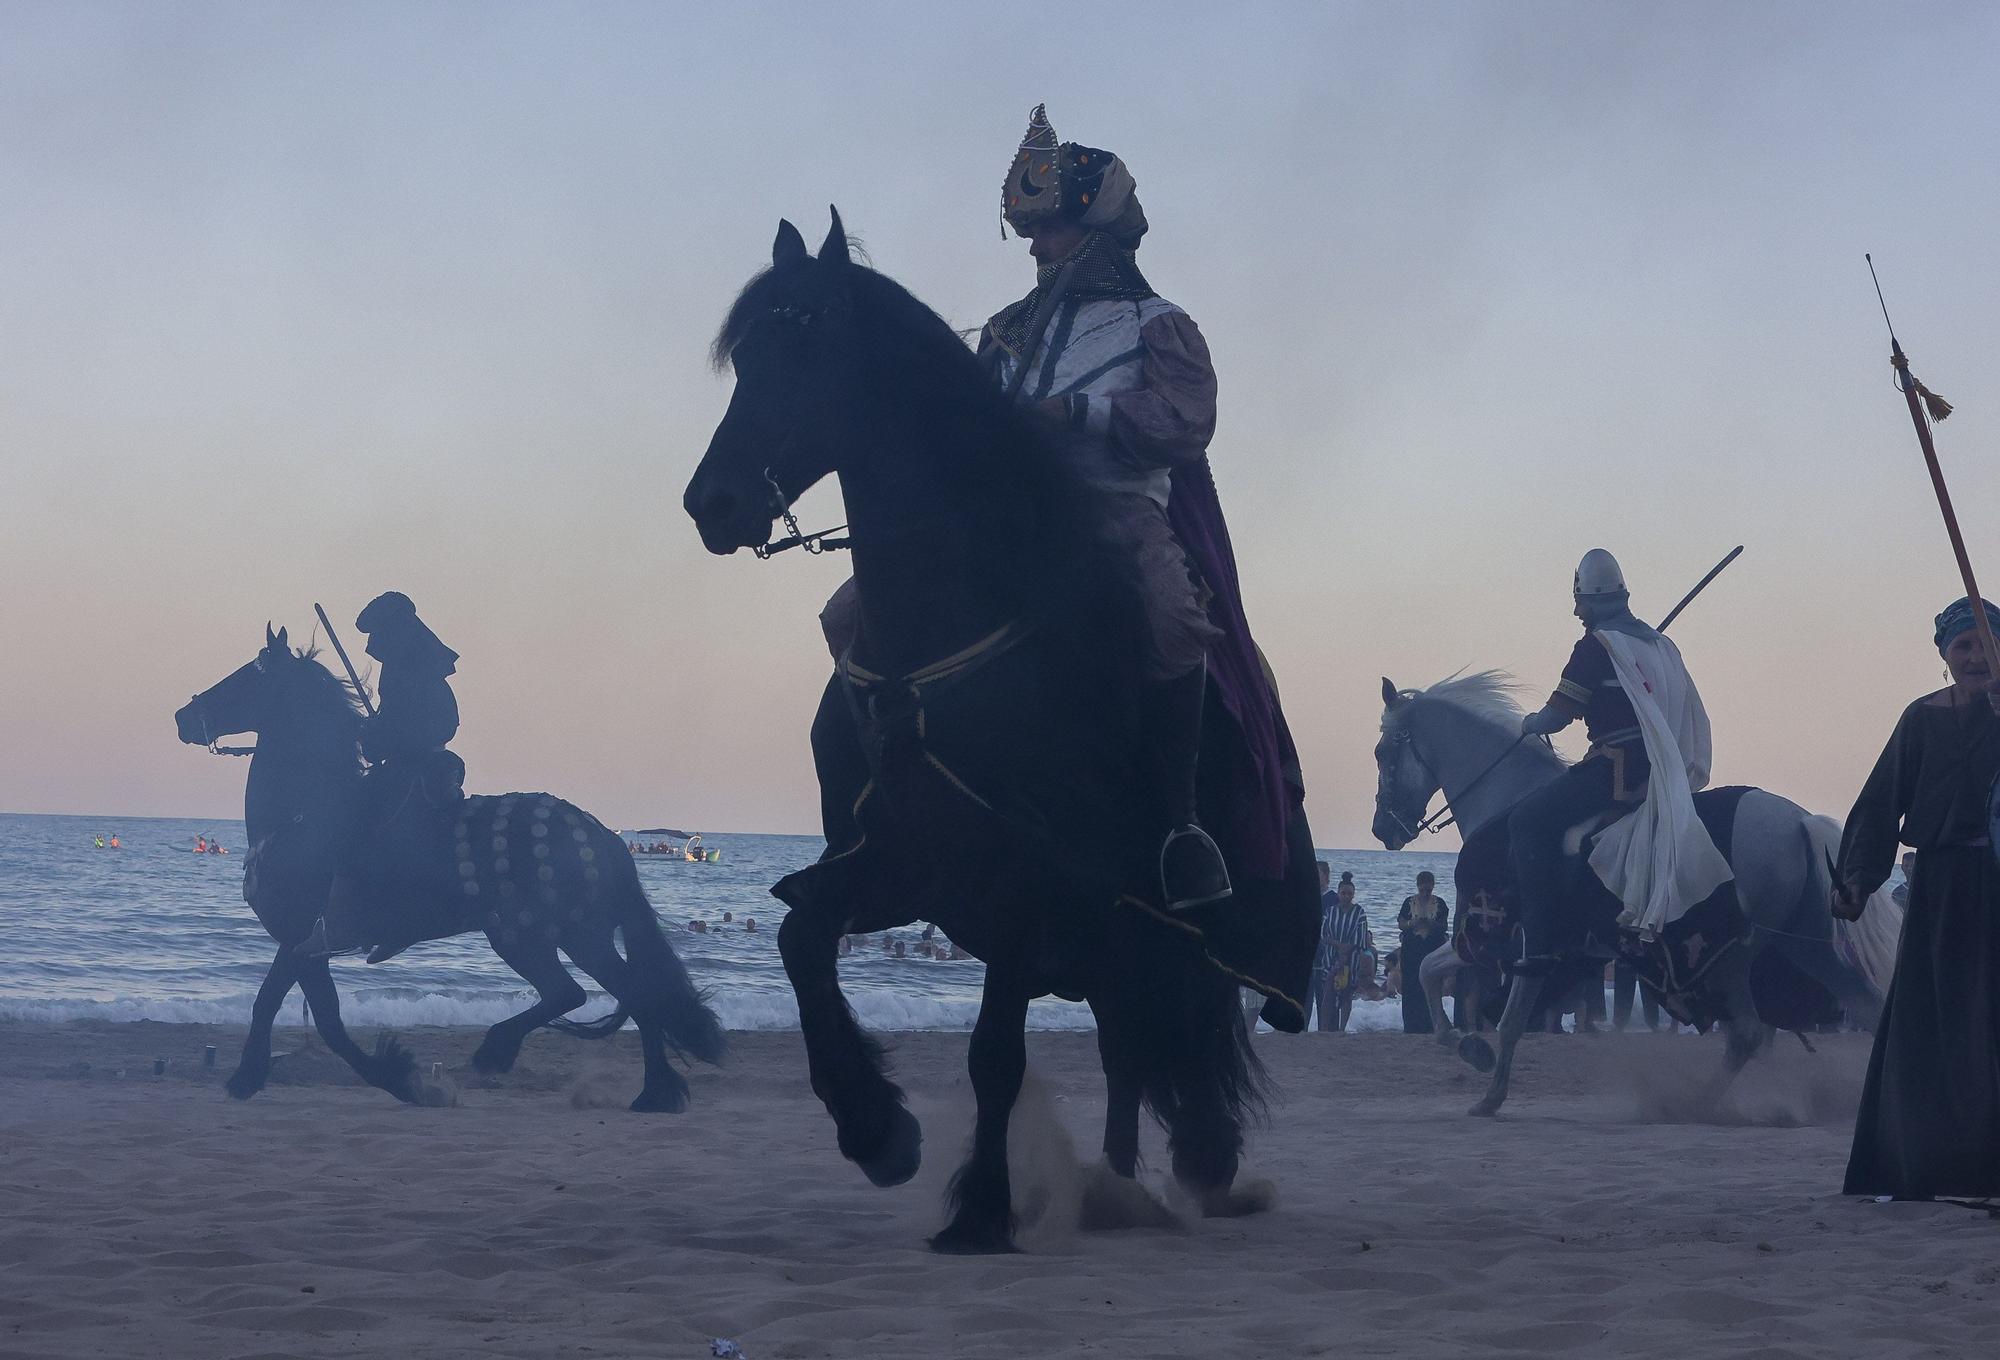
(1476, 1051)
(493, 1061)
(962, 1239)
(1485, 1109)
(1239, 1201)
(901, 1153)
(243, 1085)
(660, 1102)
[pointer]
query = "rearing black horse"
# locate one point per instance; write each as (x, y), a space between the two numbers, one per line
(977, 747)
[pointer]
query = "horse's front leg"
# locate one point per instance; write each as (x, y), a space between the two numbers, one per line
(253, 1069)
(1744, 1031)
(982, 1220)
(876, 1132)
(391, 1067)
(1521, 998)
(1435, 975)
(1117, 1050)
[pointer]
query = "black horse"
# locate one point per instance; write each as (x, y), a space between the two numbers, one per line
(977, 748)
(535, 873)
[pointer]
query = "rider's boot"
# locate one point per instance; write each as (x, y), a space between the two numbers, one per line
(1192, 871)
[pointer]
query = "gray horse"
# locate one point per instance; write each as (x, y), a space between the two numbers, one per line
(1461, 736)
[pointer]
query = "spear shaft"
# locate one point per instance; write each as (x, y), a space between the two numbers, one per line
(1912, 390)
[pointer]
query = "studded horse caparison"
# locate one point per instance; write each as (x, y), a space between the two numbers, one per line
(537, 875)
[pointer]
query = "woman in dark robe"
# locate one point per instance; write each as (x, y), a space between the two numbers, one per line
(1929, 1123)
(1422, 922)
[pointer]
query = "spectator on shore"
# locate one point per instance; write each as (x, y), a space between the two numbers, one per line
(1342, 931)
(1423, 921)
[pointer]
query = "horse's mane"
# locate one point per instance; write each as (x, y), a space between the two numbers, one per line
(1489, 697)
(341, 699)
(1034, 507)
(1486, 695)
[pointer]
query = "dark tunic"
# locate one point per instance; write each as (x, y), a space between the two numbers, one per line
(1420, 935)
(1929, 1122)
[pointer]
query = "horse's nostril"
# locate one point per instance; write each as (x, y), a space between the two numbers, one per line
(717, 505)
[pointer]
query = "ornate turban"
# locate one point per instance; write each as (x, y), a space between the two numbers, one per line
(1062, 179)
(1957, 618)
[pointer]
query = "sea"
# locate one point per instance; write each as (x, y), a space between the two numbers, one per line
(153, 931)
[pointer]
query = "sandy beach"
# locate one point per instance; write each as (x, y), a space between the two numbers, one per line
(150, 1215)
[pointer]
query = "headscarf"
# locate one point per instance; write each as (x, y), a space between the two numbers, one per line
(396, 636)
(1958, 618)
(1083, 183)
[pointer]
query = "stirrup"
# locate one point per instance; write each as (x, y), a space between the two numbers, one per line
(315, 945)
(1179, 904)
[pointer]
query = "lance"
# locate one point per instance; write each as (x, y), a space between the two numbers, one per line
(1925, 407)
(341, 652)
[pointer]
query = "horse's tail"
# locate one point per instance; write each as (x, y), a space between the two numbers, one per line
(664, 986)
(602, 1028)
(1868, 946)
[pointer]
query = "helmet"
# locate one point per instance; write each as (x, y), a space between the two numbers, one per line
(1598, 575)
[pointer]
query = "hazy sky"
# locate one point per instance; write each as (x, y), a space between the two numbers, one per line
(309, 302)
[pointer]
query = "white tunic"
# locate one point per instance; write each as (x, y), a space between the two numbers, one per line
(1658, 860)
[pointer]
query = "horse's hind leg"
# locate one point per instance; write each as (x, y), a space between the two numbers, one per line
(876, 1132)
(1521, 998)
(666, 1091)
(253, 1069)
(982, 1220)
(557, 993)
(390, 1067)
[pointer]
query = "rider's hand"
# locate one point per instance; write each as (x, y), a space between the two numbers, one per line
(1849, 901)
(1540, 723)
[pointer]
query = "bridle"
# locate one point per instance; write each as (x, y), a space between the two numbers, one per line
(209, 736)
(1435, 822)
(781, 508)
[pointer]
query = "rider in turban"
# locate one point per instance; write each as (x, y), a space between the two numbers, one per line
(1125, 375)
(412, 781)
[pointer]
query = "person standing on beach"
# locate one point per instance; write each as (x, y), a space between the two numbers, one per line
(1342, 933)
(1422, 922)
(1929, 1122)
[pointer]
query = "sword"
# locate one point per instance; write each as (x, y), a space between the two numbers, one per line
(1699, 586)
(341, 652)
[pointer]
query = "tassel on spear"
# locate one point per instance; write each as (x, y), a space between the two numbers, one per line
(1926, 407)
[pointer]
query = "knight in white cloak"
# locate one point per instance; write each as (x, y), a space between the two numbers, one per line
(1649, 754)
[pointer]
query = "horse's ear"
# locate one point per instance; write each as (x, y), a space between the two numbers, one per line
(1390, 694)
(790, 247)
(278, 641)
(835, 245)
(270, 638)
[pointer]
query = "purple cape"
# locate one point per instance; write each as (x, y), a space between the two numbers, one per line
(1264, 785)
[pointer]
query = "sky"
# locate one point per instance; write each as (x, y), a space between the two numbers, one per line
(302, 303)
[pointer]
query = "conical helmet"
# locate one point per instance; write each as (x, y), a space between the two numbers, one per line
(1598, 575)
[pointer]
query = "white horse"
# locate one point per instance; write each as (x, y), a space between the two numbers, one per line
(1461, 737)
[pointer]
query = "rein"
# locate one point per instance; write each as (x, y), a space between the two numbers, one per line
(209, 740)
(1445, 815)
